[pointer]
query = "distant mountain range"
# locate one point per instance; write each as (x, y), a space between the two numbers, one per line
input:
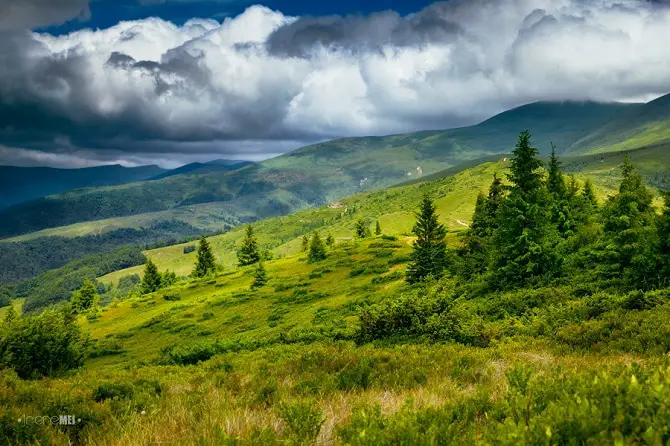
(320, 173)
(19, 184)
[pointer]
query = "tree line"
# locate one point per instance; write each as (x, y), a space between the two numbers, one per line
(540, 226)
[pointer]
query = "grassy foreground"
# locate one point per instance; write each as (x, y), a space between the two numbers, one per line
(211, 362)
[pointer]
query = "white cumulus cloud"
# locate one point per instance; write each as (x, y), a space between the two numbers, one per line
(262, 82)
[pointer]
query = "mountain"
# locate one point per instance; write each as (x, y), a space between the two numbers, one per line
(201, 168)
(642, 125)
(317, 174)
(19, 184)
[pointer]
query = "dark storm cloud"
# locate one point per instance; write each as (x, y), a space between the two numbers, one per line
(27, 14)
(365, 33)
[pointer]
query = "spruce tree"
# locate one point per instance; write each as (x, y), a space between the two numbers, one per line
(429, 257)
(562, 210)
(151, 281)
(556, 182)
(330, 240)
(523, 244)
(628, 221)
(260, 276)
(248, 254)
(317, 250)
(305, 243)
(475, 251)
(84, 298)
(361, 228)
(205, 263)
(378, 228)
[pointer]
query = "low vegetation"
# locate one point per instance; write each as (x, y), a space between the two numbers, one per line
(544, 321)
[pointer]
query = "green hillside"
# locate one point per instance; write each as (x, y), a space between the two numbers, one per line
(345, 351)
(317, 174)
(640, 126)
(19, 184)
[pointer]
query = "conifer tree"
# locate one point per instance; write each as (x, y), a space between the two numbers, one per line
(317, 250)
(260, 276)
(361, 228)
(330, 240)
(523, 244)
(305, 243)
(378, 228)
(556, 182)
(474, 255)
(151, 281)
(248, 254)
(84, 298)
(628, 221)
(205, 263)
(429, 257)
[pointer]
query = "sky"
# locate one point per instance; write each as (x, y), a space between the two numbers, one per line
(167, 82)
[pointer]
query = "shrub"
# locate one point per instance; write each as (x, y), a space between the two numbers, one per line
(43, 345)
(189, 249)
(303, 418)
(171, 297)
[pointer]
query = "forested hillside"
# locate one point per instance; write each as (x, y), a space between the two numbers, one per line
(19, 184)
(548, 309)
(315, 175)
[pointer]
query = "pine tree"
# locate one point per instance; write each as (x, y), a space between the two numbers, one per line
(562, 211)
(429, 257)
(361, 228)
(260, 277)
(10, 316)
(556, 182)
(85, 298)
(205, 263)
(248, 254)
(317, 250)
(378, 228)
(628, 221)
(305, 243)
(475, 251)
(523, 243)
(330, 240)
(151, 281)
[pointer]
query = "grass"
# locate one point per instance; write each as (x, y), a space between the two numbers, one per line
(277, 365)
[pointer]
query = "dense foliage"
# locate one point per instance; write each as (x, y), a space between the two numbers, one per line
(43, 345)
(57, 285)
(26, 259)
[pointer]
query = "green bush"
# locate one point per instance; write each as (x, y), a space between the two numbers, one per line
(303, 418)
(44, 345)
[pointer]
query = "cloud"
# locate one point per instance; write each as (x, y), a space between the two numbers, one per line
(262, 83)
(28, 14)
